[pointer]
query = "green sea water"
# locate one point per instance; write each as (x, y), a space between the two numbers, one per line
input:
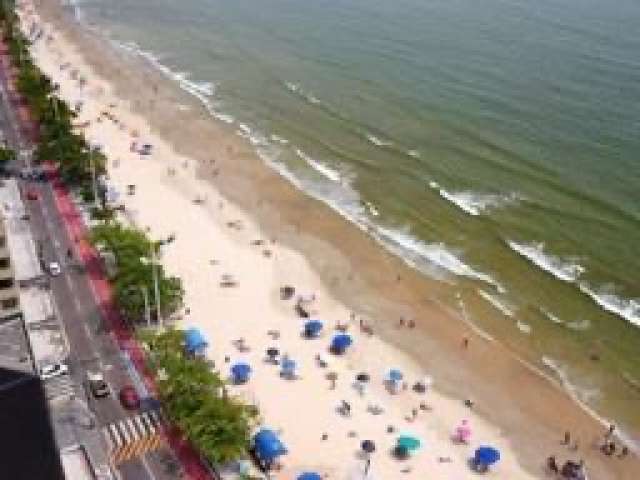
(494, 145)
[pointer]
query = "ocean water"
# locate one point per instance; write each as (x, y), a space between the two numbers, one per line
(494, 145)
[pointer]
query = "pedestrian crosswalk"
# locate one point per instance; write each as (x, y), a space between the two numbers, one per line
(61, 386)
(133, 436)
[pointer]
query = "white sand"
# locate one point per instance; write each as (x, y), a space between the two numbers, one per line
(303, 409)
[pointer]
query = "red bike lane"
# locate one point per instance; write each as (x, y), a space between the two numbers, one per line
(191, 461)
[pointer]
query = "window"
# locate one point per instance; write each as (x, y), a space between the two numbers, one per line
(6, 283)
(9, 303)
(3, 241)
(4, 262)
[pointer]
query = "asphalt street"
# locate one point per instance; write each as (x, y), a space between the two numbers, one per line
(91, 346)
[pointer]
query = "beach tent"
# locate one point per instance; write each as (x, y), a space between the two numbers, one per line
(309, 476)
(268, 446)
(194, 341)
(312, 328)
(340, 343)
(408, 442)
(240, 372)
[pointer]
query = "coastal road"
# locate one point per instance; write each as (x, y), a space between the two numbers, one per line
(91, 345)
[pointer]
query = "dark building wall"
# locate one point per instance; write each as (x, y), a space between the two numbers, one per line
(27, 444)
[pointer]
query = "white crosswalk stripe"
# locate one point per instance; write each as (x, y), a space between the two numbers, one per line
(133, 436)
(59, 387)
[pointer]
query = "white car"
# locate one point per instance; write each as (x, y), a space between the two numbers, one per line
(55, 269)
(53, 370)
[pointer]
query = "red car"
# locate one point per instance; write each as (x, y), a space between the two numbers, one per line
(32, 195)
(129, 398)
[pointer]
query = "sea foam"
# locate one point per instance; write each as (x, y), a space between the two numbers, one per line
(498, 303)
(297, 89)
(378, 142)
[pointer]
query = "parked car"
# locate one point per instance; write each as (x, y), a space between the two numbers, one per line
(32, 195)
(54, 269)
(129, 398)
(97, 384)
(53, 370)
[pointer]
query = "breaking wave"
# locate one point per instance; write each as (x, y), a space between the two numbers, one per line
(324, 170)
(569, 271)
(295, 88)
(551, 316)
(378, 142)
(562, 269)
(629, 309)
(474, 203)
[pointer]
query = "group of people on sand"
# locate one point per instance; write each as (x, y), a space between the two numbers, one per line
(575, 470)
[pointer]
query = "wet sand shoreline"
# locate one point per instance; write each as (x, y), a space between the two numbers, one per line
(358, 271)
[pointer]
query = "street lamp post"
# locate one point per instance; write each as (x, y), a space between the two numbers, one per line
(147, 310)
(156, 284)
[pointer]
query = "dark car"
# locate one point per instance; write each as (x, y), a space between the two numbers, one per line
(129, 398)
(32, 195)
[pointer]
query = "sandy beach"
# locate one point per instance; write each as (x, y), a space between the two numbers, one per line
(235, 219)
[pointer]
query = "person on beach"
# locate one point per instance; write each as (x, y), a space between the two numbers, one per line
(567, 438)
(465, 343)
(609, 433)
(552, 465)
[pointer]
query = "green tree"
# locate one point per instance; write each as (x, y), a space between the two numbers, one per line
(6, 155)
(195, 399)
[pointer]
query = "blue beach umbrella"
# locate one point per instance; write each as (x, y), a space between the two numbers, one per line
(340, 343)
(408, 442)
(240, 372)
(312, 328)
(268, 446)
(288, 368)
(486, 455)
(309, 476)
(194, 341)
(395, 375)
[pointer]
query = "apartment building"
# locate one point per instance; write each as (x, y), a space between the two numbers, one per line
(9, 298)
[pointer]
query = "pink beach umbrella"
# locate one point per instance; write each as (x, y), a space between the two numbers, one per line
(463, 432)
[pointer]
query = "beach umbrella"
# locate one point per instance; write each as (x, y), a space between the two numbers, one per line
(363, 377)
(309, 476)
(288, 368)
(240, 372)
(268, 446)
(368, 446)
(408, 442)
(194, 341)
(395, 375)
(486, 455)
(340, 343)
(312, 328)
